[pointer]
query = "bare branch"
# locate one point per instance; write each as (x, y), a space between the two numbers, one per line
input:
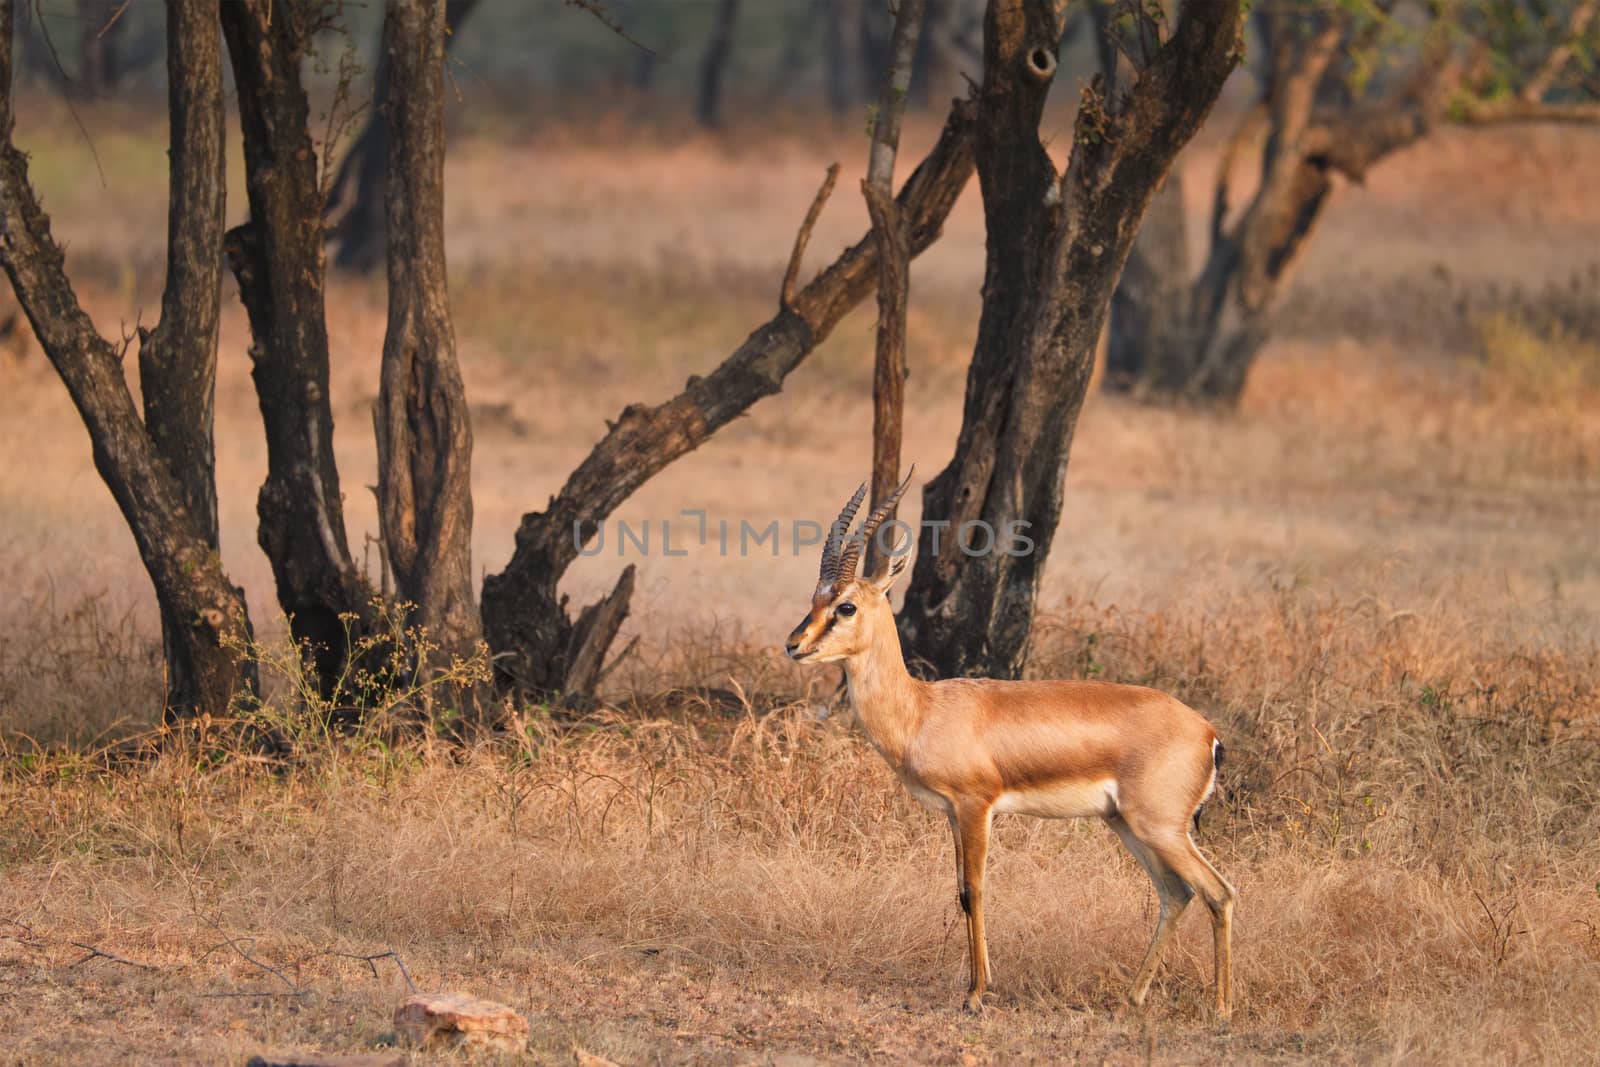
(95, 953)
(894, 257)
(236, 944)
(792, 275)
(892, 100)
(609, 21)
(1517, 110)
(523, 619)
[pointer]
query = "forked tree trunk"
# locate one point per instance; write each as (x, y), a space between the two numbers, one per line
(1056, 245)
(1179, 337)
(537, 647)
(159, 470)
(424, 436)
(277, 257)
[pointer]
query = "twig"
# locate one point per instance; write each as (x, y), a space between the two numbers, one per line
(112, 21)
(55, 56)
(801, 239)
(606, 671)
(234, 943)
(101, 954)
(371, 960)
(606, 19)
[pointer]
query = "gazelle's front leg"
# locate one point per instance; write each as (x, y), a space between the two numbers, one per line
(971, 823)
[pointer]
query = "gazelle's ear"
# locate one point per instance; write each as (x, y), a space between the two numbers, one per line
(899, 560)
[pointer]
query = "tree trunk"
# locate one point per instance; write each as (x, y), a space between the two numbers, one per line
(159, 473)
(714, 66)
(1149, 310)
(424, 435)
(894, 264)
(277, 257)
(178, 359)
(525, 621)
(1177, 338)
(356, 197)
(1056, 245)
(99, 46)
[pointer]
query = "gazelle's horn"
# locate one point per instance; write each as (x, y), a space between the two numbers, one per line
(836, 536)
(851, 556)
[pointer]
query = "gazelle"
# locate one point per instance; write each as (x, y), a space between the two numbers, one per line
(975, 747)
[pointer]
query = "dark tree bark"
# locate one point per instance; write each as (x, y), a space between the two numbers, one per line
(356, 199)
(160, 469)
(1148, 309)
(178, 359)
(526, 623)
(277, 257)
(894, 264)
(1177, 337)
(714, 65)
(424, 435)
(1056, 245)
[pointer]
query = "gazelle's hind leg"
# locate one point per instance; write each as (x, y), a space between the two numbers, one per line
(1174, 894)
(1179, 853)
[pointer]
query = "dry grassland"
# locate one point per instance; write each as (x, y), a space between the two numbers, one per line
(1380, 579)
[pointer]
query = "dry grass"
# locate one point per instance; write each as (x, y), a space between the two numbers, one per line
(1379, 579)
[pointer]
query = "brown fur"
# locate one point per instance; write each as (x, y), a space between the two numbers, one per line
(973, 747)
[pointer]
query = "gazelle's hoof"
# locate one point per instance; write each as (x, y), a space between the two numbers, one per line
(973, 1004)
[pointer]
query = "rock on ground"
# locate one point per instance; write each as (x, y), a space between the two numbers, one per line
(456, 1019)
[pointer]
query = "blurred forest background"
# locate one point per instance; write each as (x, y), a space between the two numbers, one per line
(1369, 556)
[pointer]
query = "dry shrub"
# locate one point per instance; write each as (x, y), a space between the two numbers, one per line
(46, 693)
(1549, 365)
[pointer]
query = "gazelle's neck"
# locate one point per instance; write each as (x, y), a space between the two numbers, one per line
(886, 699)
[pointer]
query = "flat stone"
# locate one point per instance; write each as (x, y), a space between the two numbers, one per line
(450, 1020)
(589, 1059)
(318, 1059)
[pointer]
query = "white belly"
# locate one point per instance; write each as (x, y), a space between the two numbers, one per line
(926, 797)
(1062, 800)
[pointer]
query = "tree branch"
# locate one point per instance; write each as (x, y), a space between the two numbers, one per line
(1517, 110)
(894, 263)
(797, 254)
(644, 439)
(1577, 21)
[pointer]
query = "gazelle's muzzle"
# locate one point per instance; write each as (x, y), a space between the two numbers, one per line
(803, 638)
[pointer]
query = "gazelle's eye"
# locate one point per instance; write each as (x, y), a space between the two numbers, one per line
(846, 609)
